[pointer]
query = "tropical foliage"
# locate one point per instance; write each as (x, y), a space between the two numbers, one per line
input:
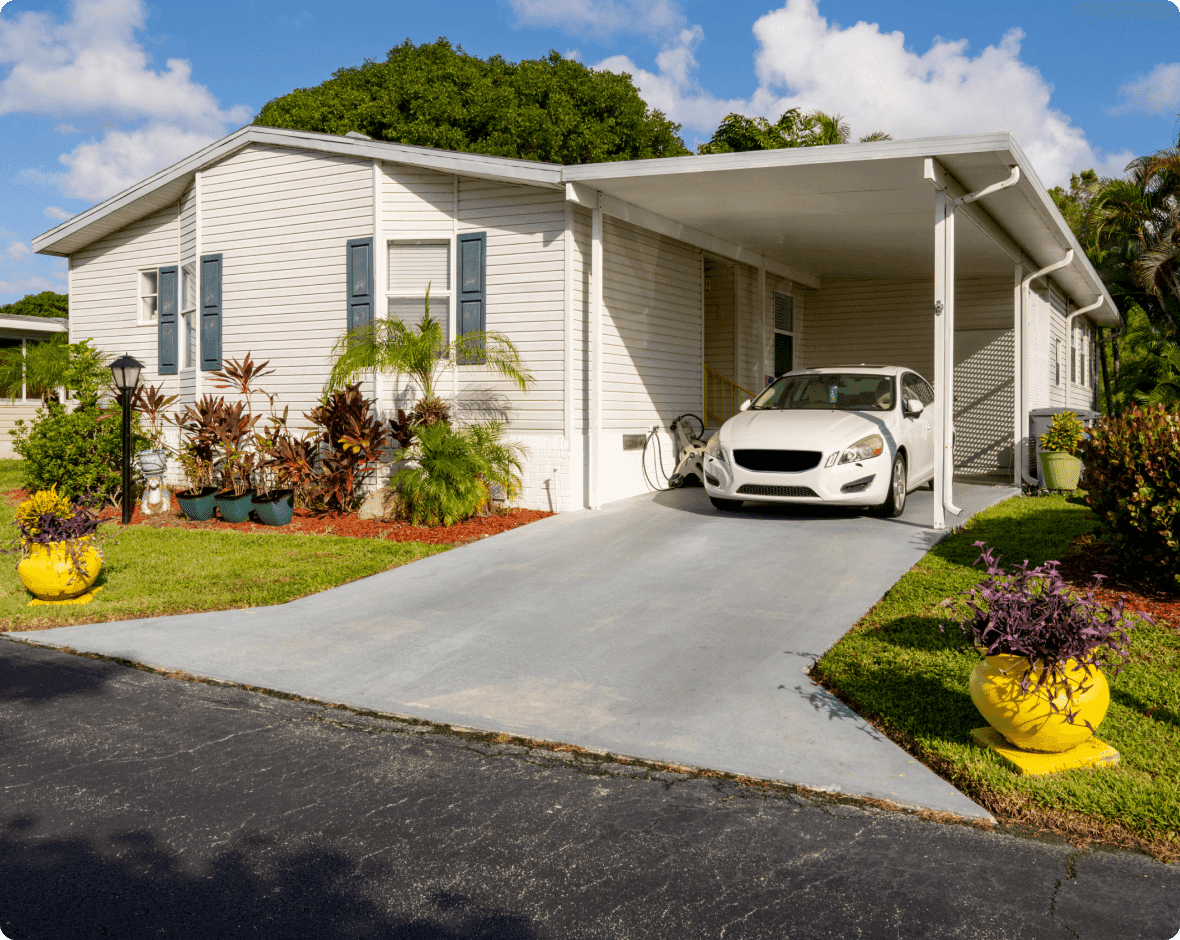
(47, 365)
(349, 443)
(738, 133)
(436, 95)
(45, 304)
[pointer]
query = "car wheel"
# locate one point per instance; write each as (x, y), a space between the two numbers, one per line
(725, 505)
(894, 504)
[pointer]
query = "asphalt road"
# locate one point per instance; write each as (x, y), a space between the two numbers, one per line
(136, 805)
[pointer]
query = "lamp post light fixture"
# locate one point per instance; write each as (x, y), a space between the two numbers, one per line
(126, 371)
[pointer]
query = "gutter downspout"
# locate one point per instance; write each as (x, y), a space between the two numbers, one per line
(1021, 377)
(944, 341)
(1069, 332)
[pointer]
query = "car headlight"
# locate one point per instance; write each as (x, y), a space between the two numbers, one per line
(713, 448)
(863, 449)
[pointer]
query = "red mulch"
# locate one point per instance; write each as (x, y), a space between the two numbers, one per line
(310, 523)
(1085, 558)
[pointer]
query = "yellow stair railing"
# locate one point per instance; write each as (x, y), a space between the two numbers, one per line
(723, 397)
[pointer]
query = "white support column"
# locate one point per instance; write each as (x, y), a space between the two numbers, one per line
(24, 385)
(197, 200)
(596, 278)
(568, 301)
(453, 303)
(1018, 429)
(941, 292)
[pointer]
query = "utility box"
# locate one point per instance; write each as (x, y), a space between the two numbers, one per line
(1038, 423)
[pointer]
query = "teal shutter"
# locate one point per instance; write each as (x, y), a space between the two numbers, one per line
(210, 313)
(360, 283)
(471, 312)
(168, 289)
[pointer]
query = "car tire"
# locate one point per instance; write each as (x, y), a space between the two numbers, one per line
(725, 505)
(894, 504)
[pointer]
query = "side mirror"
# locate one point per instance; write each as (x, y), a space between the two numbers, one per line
(913, 407)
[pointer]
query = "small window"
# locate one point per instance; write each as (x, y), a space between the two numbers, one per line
(188, 306)
(784, 333)
(413, 268)
(149, 292)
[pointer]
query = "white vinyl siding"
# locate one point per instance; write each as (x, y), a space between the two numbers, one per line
(749, 329)
(105, 293)
(1059, 346)
(416, 203)
(582, 230)
(281, 218)
(651, 329)
(525, 301)
(719, 303)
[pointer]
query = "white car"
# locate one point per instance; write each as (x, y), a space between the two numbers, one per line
(843, 436)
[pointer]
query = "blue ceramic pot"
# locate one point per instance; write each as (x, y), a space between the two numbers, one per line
(234, 508)
(198, 506)
(275, 509)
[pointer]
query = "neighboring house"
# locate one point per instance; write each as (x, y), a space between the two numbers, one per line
(20, 331)
(635, 291)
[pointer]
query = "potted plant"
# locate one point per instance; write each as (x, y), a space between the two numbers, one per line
(1039, 683)
(286, 464)
(1060, 468)
(59, 555)
(150, 402)
(197, 424)
(234, 426)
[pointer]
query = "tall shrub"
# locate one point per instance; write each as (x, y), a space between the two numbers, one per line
(1133, 486)
(77, 451)
(349, 442)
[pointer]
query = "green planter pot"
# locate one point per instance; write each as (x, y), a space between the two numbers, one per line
(275, 509)
(234, 508)
(198, 506)
(1060, 471)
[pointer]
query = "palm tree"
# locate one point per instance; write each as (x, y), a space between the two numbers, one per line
(421, 353)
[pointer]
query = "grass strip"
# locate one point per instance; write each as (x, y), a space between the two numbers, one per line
(898, 670)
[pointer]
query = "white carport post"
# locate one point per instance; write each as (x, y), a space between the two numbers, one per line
(596, 273)
(944, 330)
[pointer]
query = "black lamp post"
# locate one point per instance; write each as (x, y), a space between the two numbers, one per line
(126, 372)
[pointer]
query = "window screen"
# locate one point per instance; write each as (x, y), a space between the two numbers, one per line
(784, 312)
(410, 311)
(414, 265)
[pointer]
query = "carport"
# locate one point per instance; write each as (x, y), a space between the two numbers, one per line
(854, 224)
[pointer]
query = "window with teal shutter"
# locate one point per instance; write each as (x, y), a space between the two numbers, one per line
(360, 283)
(168, 286)
(210, 312)
(471, 310)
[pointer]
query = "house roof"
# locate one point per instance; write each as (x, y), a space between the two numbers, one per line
(24, 324)
(855, 210)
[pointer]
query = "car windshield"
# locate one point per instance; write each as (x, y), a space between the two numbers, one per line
(832, 391)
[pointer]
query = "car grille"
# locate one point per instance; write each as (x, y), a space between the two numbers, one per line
(777, 461)
(758, 489)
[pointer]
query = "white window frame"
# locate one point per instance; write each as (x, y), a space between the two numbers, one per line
(142, 295)
(775, 331)
(188, 308)
(446, 294)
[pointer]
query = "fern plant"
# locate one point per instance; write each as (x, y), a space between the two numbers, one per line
(455, 472)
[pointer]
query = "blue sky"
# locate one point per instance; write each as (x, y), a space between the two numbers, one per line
(97, 94)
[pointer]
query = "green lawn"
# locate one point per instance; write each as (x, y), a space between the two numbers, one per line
(896, 668)
(152, 571)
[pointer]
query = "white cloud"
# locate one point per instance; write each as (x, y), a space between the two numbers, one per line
(654, 18)
(27, 285)
(66, 129)
(1158, 93)
(56, 212)
(92, 64)
(18, 251)
(876, 82)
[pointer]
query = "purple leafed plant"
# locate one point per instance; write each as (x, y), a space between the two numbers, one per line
(1033, 612)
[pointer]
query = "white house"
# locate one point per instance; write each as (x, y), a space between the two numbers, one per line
(636, 291)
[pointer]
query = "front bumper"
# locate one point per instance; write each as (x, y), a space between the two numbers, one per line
(726, 480)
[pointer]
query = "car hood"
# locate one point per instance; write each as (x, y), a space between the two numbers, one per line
(802, 430)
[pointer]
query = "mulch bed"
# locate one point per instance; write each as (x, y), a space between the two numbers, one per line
(311, 523)
(1087, 557)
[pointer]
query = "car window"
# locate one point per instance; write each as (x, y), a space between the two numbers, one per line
(834, 391)
(914, 386)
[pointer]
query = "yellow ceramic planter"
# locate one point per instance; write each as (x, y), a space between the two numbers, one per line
(49, 573)
(1027, 720)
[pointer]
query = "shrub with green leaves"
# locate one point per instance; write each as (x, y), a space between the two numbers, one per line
(1064, 434)
(1133, 486)
(76, 451)
(456, 472)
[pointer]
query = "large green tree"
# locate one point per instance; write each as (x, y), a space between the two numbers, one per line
(737, 133)
(436, 95)
(44, 304)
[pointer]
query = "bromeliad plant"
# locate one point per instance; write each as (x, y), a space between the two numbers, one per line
(1034, 614)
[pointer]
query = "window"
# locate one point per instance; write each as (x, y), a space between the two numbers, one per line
(415, 267)
(835, 391)
(149, 289)
(784, 333)
(914, 386)
(188, 306)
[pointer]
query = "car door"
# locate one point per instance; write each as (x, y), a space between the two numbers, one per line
(919, 429)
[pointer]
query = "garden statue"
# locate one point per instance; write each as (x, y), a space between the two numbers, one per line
(156, 498)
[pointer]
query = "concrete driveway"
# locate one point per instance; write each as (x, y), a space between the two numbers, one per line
(656, 628)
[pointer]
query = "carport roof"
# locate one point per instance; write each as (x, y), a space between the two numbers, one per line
(854, 210)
